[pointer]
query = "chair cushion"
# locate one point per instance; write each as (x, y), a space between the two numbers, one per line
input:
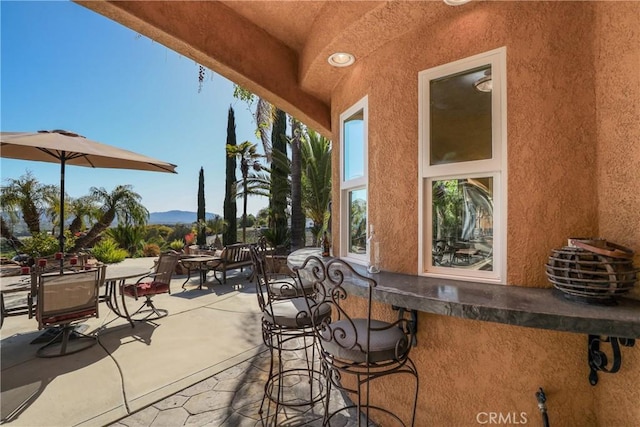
(285, 286)
(382, 346)
(145, 288)
(293, 313)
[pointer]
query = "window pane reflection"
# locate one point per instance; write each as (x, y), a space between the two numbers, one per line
(463, 223)
(358, 221)
(460, 117)
(354, 146)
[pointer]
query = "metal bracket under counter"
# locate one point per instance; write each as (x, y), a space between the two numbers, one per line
(598, 360)
(411, 324)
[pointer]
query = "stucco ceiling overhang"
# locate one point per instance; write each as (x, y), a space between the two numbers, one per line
(276, 49)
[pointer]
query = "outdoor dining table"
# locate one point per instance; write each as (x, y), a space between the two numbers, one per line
(202, 261)
(11, 285)
(116, 276)
(466, 253)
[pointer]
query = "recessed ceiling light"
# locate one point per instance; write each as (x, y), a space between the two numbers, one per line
(484, 84)
(341, 59)
(456, 2)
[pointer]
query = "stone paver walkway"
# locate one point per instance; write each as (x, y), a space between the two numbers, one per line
(232, 398)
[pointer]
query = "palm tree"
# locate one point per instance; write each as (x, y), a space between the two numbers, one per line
(248, 156)
(316, 180)
(52, 209)
(5, 232)
(258, 183)
(216, 226)
(29, 196)
(83, 209)
(266, 115)
(122, 203)
(129, 237)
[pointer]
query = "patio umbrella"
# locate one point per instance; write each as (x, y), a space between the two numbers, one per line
(68, 148)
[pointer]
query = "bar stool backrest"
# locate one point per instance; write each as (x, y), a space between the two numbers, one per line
(343, 334)
(261, 280)
(270, 286)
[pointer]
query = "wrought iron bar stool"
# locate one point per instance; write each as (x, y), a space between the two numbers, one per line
(356, 351)
(286, 327)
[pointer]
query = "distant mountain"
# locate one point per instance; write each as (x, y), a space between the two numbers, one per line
(169, 218)
(175, 217)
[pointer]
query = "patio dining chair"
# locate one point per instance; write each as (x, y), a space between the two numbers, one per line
(355, 351)
(286, 328)
(63, 300)
(155, 283)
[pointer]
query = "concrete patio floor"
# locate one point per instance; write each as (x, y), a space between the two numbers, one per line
(206, 332)
(204, 364)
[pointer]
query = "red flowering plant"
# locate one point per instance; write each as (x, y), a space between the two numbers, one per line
(189, 238)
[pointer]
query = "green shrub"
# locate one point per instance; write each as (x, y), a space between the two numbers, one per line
(107, 251)
(41, 245)
(44, 244)
(129, 237)
(176, 245)
(151, 249)
(156, 240)
(278, 238)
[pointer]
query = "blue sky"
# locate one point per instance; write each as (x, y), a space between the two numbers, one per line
(66, 67)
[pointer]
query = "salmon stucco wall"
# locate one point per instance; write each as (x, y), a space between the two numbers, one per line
(551, 130)
(563, 139)
(617, 88)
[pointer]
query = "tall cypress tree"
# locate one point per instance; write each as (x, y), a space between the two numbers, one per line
(202, 235)
(279, 183)
(230, 235)
(297, 215)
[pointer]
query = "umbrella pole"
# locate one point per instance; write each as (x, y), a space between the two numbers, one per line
(61, 237)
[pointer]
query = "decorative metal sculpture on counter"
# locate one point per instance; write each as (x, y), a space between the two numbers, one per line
(592, 270)
(595, 271)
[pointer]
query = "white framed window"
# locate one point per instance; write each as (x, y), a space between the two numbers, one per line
(353, 181)
(462, 169)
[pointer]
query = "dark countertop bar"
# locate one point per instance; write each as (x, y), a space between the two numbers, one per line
(542, 308)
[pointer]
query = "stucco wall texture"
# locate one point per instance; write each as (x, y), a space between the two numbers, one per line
(573, 170)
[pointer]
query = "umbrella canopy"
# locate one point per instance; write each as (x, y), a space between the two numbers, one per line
(59, 146)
